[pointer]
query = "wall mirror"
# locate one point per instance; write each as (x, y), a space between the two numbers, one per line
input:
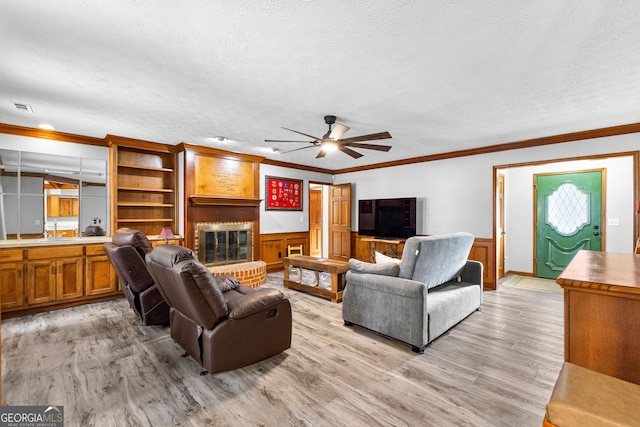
(44, 193)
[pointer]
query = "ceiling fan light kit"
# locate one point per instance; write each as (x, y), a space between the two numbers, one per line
(328, 146)
(332, 140)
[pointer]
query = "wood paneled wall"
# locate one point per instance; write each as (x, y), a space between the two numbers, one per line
(273, 247)
(482, 251)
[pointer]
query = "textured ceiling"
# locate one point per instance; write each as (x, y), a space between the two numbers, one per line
(438, 75)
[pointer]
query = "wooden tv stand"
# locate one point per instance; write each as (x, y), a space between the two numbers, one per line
(335, 267)
(389, 247)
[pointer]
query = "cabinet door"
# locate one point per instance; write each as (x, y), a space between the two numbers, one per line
(41, 281)
(69, 278)
(272, 251)
(53, 205)
(11, 285)
(68, 206)
(100, 276)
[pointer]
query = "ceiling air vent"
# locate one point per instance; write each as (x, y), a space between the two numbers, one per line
(23, 107)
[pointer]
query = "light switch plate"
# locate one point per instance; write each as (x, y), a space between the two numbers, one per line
(613, 222)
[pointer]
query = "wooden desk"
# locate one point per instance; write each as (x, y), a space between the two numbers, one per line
(335, 267)
(602, 313)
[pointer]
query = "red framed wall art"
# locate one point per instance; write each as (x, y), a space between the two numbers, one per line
(283, 193)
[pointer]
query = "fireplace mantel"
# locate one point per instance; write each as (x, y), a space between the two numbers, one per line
(200, 200)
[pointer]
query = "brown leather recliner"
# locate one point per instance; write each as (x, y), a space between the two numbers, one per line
(126, 253)
(222, 324)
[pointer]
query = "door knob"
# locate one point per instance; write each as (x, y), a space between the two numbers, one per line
(595, 233)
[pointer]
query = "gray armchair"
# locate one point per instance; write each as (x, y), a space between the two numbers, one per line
(436, 287)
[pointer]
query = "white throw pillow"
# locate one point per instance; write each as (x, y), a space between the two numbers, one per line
(384, 259)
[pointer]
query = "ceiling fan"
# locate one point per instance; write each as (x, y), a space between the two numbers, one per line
(331, 140)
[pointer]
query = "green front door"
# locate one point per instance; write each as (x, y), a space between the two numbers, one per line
(568, 218)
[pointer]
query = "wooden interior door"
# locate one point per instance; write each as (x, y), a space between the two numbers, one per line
(340, 222)
(315, 222)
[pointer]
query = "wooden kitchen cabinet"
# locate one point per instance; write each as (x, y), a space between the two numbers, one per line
(11, 279)
(46, 277)
(54, 273)
(100, 276)
(58, 206)
(69, 278)
(69, 206)
(41, 282)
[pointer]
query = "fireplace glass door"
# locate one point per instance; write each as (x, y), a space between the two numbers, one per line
(220, 244)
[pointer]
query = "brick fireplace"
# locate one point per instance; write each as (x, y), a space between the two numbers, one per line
(223, 231)
(230, 224)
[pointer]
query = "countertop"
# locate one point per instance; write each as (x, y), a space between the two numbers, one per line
(21, 243)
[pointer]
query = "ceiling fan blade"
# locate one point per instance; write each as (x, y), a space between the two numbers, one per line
(309, 136)
(284, 140)
(371, 137)
(321, 154)
(349, 151)
(369, 146)
(297, 149)
(337, 131)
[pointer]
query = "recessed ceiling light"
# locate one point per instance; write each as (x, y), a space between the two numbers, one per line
(45, 126)
(267, 150)
(220, 138)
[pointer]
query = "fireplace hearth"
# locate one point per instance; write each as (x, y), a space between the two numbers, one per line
(224, 243)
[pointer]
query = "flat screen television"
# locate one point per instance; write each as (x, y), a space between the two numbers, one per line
(387, 218)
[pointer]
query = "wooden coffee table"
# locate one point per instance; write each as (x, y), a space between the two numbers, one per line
(335, 267)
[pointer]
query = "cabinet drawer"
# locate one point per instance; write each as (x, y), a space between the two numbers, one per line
(58, 251)
(91, 250)
(9, 255)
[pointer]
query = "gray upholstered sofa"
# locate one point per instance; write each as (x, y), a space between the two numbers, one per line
(436, 287)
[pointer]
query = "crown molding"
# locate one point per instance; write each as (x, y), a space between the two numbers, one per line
(51, 134)
(199, 149)
(296, 166)
(527, 143)
(139, 143)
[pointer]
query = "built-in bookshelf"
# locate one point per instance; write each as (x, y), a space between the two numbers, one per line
(144, 185)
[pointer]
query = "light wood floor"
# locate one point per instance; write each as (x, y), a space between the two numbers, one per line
(497, 367)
